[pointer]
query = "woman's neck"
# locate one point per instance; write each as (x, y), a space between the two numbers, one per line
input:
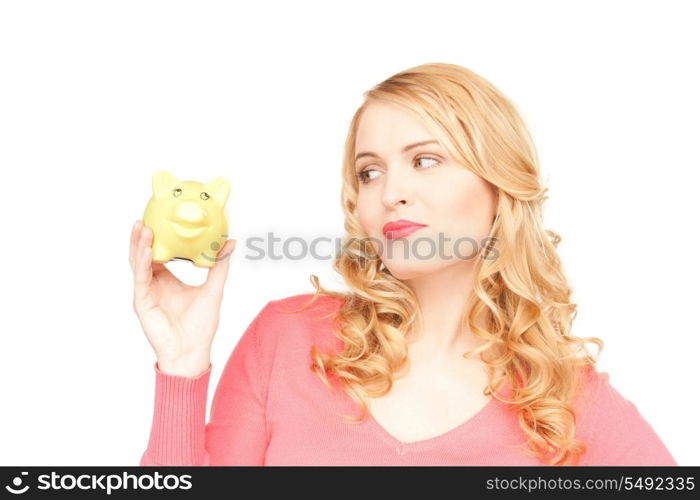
(443, 298)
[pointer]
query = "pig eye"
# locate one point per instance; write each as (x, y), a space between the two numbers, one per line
(177, 192)
(204, 196)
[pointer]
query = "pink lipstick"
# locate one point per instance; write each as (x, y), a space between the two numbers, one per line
(400, 228)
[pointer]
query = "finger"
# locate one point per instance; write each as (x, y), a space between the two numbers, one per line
(146, 238)
(135, 233)
(148, 235)
(216, 278)
(163, 273)
(143, 274)
(141, 245)
(147, 241)
(157, 268)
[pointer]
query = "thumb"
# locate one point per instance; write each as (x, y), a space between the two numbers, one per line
(216, 277)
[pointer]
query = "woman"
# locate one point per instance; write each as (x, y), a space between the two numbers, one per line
(454, 339)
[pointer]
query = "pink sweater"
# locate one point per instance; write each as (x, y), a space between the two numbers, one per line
(270, 409)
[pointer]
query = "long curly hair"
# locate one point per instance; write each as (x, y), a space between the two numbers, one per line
(521, 292)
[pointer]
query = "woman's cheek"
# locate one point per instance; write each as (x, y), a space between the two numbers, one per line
(366, 221)
(456, 240)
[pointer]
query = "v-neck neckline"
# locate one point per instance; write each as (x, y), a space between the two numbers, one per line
(402, 447)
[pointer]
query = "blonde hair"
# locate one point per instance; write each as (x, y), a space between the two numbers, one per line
(522, 294)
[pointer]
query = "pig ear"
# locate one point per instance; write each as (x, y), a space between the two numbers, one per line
(219, 188)
(163, 183)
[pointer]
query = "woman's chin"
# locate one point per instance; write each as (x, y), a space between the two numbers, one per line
(407, 270)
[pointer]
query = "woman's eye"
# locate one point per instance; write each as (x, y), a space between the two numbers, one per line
(177, 192)
(426, 158)
(204, 195)
(364, 175)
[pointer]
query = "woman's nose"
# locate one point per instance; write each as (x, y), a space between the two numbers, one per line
(396, 189)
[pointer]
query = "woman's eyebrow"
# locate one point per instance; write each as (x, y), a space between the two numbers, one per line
(404, 150)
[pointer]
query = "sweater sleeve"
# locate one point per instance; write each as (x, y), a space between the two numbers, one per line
(237, 430)
(620, 436)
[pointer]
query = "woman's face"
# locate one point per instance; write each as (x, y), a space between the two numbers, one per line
(423, 184)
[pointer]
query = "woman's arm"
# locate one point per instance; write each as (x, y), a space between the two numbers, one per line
(237, 430)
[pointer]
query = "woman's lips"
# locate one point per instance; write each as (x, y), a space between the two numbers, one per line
(402, 232)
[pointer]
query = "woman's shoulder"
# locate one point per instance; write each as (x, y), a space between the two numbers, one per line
(595, 395)
(590, 383)
(613, 426)
(305, 304)
(299, 319)
(302, 309)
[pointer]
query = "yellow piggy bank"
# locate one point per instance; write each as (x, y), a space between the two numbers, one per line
(187, 218)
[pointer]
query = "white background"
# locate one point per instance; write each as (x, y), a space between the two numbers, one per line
(95, 96)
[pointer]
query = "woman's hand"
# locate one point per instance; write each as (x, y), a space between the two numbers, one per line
(179, 320)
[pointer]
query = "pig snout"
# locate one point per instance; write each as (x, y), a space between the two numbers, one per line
(190, 213)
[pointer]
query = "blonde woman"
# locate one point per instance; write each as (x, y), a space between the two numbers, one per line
(453, 344)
